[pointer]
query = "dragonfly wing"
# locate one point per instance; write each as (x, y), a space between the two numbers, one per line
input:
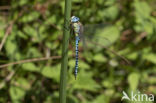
(102, 36)
(81, 35)
(105, 34)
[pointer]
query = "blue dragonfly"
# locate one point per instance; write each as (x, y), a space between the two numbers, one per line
(92, 34)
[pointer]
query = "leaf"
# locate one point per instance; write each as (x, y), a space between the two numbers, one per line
(52, 46)
(107, 84)
(148, 27)
(111, 12)
(133, 56)
(84, 81)
(51, 20)
(81, 64)
(102, 99)
(152, 80)
(99, 58)
(88, 56)
(30, 67)
(150, 57)
(133, 80)
(99, 1)
(33, 53)
(29, 30)
(109, 92)
(109, 2)
(142, 9)
(111, 33)
(143, 16)
(52, 72)
(33, 15)
(11, 45)
(62, 6)
(23, 83)
(22, 35)
(22, 2)
(1, 33)
(16, 93)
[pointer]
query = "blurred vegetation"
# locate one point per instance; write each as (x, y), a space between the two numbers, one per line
(37, 32)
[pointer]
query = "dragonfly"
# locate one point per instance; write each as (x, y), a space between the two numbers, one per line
(91, 32)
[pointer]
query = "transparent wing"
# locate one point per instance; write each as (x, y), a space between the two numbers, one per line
(99, 36)
(103, 34)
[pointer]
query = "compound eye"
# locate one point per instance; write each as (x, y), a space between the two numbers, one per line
(77, 19)
(74, 19)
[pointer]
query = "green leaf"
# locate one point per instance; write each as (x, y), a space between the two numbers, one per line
(33, 15)
(102, 99)
(150, 57)
(1, 33)
(22, 35)
(16, 93)
(133, 56)
(142, 9)
(100, 1)
(11, 45)
(133, 80)
(52, 46)
(105, 33)
(81, 64)
(30, 67)
(107, 84)
(33, 52)
(109, 2)
(52, 72)
(23, 83)
(111, 12)
(22, 2)
(29, 30)
(148, 27)
(99, 58)
(84, 81)
(62, 6)
(151, 80)
(51, 20)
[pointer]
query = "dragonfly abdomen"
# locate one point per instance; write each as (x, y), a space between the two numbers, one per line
(76, 55)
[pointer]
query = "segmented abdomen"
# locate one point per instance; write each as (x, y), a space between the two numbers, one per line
(76, 55)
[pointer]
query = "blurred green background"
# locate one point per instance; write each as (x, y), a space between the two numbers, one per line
(37, 30)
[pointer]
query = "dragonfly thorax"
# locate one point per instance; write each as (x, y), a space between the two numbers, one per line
(76, 28)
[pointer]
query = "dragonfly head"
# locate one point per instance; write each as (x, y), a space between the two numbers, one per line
(74, 19)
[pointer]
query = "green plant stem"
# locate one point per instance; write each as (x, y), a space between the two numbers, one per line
(64, 64)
